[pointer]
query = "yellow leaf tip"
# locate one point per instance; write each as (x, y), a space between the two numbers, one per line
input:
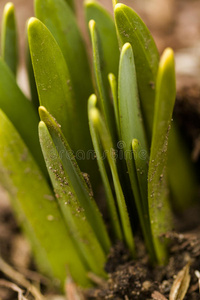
(32, 21)
(9, 8)
(41, 124)
(94, 114)
(118, 7)
(42, 108)
(135, 144)
(92, 24)
(89, 2)
(42, 112)
(167, 57)
(126, 47)
(92, 101)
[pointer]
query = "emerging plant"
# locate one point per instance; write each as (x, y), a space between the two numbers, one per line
(126, 140)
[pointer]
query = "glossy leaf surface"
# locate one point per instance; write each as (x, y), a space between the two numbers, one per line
(132, 29)
(99, 152)
(61, 22)
(36, 207)
(21, 112)
(107, 34)
(72, 211)
(52, 77)
(79, 184)
(101, 79)
(132, 127)
(106, 140)
(113, 87)
(159, 208)
(56, 92)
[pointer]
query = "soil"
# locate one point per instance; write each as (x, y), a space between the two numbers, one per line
(137, 279)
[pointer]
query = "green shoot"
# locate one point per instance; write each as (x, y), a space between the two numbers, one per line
(9, 38)
(159, 208)
(37, 211)
(101, 129)
(71, 206)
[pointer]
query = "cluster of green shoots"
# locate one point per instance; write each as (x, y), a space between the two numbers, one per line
(120, 138)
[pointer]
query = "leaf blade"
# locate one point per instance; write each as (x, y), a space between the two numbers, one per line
(66, 33)
(131, 29)
(36, 207)
(83, 192)
(101, 79)
(159, 208)
(131, 127)
(9, 42)
(106, 141)
(72, 211)
(107, 34)
(109, 195)
(20, 112)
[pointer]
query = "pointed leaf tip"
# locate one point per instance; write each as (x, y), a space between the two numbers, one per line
(42, 109)
(167, 57)
(118, 6)
(92, 24)
(126, 47)
(135, 143)
(89, 2)
(94, 114)
(9, 8)
(41, 124)
(31, 22)
(42, 112)
(92, 101)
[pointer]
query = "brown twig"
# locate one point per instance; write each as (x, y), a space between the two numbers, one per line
(13, 287)
(20, 279)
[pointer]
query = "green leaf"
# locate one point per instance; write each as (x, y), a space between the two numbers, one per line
(36, 208)
(114, 3)
(102, 80)
(31, 77)
(107, 34)
(100, 128)
(9, 43)
(141, 165)
(71, 208)
(55, 89)
(131, 29)
(61, 22)
(131, 127)
(52, 78)
(21, 112)
(114, 220)
(71, 4)
(79, 184)
(113, 86)
(159, 208)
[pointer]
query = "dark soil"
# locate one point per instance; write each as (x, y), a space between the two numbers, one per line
(138, 280)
